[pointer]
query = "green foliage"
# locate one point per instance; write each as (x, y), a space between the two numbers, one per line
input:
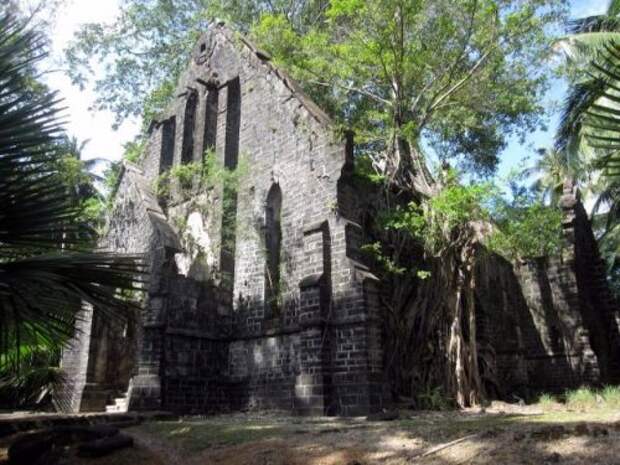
(186, 173)
(157, 101)
(30, 382)
(47, 267)
(439, 221)
(589, 129)
(376, 252)
(366, 172)
(145, 49)
(133, 151)
(582, 399)
(80, 180)
(552, 169)
(200, 434)
(433, 398)
(72, 171)
(547, 402)
(203, 175)
(92, 211)
(611, 396)
(521, 228)
(588, 39)
(110, 182)
(465, 73)
(527, 231)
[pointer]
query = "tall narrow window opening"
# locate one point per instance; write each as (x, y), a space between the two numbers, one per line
(233, 121)
(229, 232)
(229, 198)
(211, 110)
(187, 149)
(166, 157)
(273, 246)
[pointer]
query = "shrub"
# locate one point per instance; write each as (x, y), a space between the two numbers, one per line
(611, 396)
(546, 401)
(582, 399)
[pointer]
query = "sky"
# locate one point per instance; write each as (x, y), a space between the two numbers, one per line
(516, 151)
(83, 123)
(106, 142)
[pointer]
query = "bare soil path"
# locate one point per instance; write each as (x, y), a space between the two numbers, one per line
(504, 434)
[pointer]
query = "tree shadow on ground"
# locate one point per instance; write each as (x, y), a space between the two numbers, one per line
(426, 438)
(445, 438)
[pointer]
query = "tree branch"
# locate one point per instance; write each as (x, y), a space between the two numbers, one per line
(352, 89)
(461, 82)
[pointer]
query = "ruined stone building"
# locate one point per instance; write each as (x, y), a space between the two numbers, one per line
(258, 297)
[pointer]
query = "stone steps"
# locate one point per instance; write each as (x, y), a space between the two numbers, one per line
(121, 404)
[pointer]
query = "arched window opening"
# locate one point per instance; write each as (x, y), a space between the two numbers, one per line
(166, 155)
(273, 246)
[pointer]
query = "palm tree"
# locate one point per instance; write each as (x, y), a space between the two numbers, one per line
(48, 269)
(590, 124)
(552, 169)
(75, 149)
(588, 37)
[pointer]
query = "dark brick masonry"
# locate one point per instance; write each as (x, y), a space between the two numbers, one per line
(257, 298)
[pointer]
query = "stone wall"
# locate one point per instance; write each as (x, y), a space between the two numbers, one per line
(258, 296)
(74, 364)
(531, 337)
(255, 299)
(599, 311)
(551, 323)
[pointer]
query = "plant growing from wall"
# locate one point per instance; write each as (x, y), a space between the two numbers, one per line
(133, 152)
(526, 229)
(198, 186)
(202, 176)
(433, 293)
(449, 226)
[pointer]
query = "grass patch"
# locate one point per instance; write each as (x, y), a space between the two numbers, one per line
(547, 402)
(582, 399)
(611, 396)
(451, 426)
(195, 436)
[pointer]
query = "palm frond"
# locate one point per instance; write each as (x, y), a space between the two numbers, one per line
(594, 23)
(580, 98)
(48, 269)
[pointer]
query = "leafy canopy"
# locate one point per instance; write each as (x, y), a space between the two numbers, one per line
(138, 58)
(465, 73)
(520, 228)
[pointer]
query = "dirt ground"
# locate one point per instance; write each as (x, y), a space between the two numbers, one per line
(503, 434)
